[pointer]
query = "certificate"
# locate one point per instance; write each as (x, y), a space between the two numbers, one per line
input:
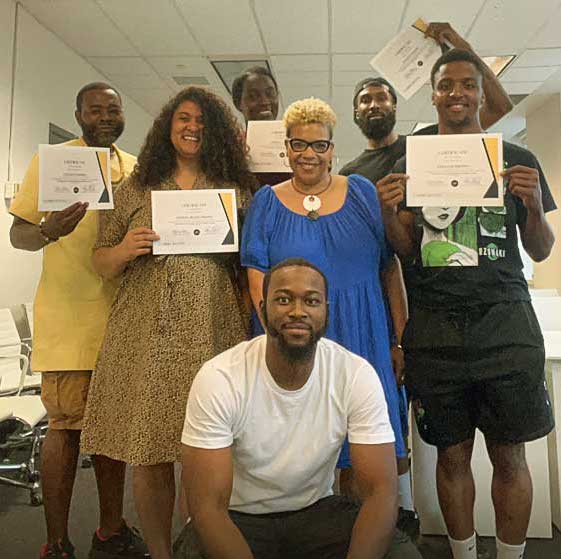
(455, 170)
(195, 221)
(69, 174)
(406, 61)
(267, 152)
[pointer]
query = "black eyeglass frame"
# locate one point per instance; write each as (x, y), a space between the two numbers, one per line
(308, 144)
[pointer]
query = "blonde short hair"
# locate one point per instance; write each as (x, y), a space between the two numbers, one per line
(309, 111)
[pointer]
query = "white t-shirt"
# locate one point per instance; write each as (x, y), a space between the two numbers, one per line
(285, 443)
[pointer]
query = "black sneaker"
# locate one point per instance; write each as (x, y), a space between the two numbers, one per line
(126, 543)
(408, 522)
(60, 550)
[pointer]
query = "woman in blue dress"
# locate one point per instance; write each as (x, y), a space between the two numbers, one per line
(334, 222)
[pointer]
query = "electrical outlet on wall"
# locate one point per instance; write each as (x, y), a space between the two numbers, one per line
(11, 188)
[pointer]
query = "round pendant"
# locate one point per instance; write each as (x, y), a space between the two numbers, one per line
(311, 203)
(313, 215)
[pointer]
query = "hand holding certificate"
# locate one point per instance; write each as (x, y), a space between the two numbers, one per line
(267, 152)
(406, 61)
(70, 174)
(455, 170)
(195, 221)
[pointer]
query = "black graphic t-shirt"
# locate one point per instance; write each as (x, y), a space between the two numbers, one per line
(375, 164)
(470, 256)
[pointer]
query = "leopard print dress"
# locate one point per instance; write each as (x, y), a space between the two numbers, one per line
(170, 315)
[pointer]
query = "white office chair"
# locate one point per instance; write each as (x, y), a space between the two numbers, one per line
(22, 414)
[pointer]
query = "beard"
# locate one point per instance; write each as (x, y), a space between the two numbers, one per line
(376, 129)
(294, 354)
(99, 138)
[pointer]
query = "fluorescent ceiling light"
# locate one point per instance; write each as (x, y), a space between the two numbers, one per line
(229, 70)
(499, 64)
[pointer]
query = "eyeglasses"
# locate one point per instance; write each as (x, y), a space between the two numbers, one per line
(319, 146)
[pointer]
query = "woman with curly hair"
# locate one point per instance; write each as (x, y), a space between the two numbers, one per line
(171, 313)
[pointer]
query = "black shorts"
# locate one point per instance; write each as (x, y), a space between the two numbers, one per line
(472, 377)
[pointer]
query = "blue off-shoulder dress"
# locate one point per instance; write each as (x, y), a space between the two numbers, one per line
(351, 249)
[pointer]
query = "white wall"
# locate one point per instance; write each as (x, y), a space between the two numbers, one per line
(47, 76)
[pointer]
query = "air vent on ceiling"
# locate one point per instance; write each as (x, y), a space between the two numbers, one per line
(190, 80)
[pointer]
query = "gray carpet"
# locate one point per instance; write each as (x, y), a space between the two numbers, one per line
(22, 527)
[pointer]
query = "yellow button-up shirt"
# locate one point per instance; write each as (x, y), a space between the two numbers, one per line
(72, 302)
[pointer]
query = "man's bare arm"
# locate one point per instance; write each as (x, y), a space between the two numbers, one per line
(28, 236)
(399, 225)
(375, 473)
(497, 101)
(207, 478)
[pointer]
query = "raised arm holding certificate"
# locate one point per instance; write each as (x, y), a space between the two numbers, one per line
(195, 221)
(74, 174)
(407, 59)
(455, 170)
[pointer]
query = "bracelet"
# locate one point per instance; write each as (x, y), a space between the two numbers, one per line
(48, 240)
(399, 346)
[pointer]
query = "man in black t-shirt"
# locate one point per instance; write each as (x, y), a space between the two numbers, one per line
(374, 109)
(474, 354)
(375, 106)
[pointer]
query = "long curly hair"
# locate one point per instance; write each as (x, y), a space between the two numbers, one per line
(223, 157)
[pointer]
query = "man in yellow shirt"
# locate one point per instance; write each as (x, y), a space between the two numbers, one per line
(70, 311)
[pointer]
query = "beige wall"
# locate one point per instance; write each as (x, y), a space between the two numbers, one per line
(544, 140)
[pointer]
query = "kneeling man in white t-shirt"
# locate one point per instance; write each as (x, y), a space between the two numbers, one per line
(264, 426)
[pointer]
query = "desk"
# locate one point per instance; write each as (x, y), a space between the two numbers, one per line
(553, 371)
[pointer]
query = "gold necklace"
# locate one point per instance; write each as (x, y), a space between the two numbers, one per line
(311, 202)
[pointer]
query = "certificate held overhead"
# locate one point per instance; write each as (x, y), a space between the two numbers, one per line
(406, 61)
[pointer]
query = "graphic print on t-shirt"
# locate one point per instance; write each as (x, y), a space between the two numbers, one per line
(449, 237)
(492, 222)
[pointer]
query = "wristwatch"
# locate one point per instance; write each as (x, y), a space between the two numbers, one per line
(48, 240)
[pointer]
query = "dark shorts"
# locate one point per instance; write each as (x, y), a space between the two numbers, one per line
(320, 531)
(485, 370)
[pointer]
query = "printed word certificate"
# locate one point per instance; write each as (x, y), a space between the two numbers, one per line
(455, 170)
(195, 221)
(69, 174)
(267, 152)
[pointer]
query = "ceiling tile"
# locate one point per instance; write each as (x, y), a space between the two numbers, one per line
(291, 94)
(132, 72)
(302, 79)
(82, 25)
(293, 26)
(300, 63)
(352, 63)
(549, 35)
(539, 57)
(152, 100)
(218, 25)
(521, 88)
(364, 26)
(155, 28)
(506, 27)
(535, 74)
(459, 14)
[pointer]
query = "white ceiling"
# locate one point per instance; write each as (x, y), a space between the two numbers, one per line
(315, 47)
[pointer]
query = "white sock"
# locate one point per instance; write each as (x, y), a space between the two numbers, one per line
(405, 494)
(508, 551)
(466, 549)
